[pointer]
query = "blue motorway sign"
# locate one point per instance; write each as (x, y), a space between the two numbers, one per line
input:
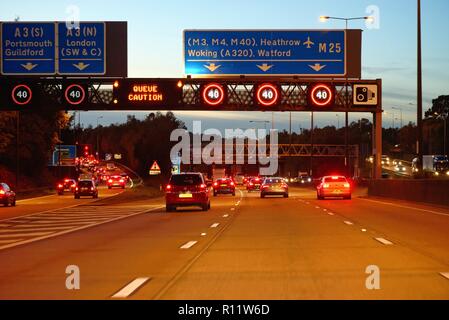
(82, 50)
(265, 52)
(64, 155)
(28, 48)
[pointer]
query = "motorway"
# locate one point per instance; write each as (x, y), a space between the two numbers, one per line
(244, 248)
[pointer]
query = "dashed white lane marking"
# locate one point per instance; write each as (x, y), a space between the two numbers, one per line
(130, 288)
(317, 208)
(204, 234)
(226, 216)
(331, 213)
(384, 241)
(232, 209)
(445, 274)
(189, 245)
(349, 223)
(407, 207)
(325, 210)
(215, 225)
(364, 230)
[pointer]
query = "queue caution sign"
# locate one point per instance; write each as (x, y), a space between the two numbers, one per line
(155, 169)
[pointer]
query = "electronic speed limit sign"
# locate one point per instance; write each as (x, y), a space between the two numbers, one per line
(213, 94)
(22, 94)
(267, 95)
(322, 95)
(75, 94)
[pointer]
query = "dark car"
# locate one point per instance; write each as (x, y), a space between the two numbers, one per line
(274, 187)
(7, 196)
(334, 187)
(187, 190)
(66, 185)
(254, 184)
(224, 186)
(305, 179)
(86, 188)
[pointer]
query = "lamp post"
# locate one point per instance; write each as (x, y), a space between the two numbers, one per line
(346, 20)
(420, 140)
(98, 140)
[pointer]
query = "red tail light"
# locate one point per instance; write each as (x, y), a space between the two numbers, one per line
(251, 184)
(110, 181)
(2, 191)
(232, 183)
(168, 188)
(77, 188)
(60, 185)
(326, 185)
(284, 186)
(203, 186)
(347, 186)
(92, 189)
(122, 181)
(215, 184)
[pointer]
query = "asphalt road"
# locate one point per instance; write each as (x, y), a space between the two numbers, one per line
(244, 248)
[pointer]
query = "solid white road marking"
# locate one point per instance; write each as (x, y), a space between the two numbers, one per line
(384, 241)
(21, 235)
(215, 225)
(407, 207)
(349, 223)
(130, 288)
(445, 274)
(9, 241)
(189, 244)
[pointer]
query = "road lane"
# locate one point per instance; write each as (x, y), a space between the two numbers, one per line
(288, 249)
(110, 256)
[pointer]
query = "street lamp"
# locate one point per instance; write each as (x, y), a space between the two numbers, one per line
(98, 140)
(346, 20)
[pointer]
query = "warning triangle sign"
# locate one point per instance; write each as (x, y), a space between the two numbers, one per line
(155, 167)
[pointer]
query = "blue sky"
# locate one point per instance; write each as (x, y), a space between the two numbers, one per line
(155, 42)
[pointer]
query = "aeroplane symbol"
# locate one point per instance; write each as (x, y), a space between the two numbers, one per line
(309, 43)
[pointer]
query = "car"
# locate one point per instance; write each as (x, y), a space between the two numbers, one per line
(7, 196)
(224, 186)
(334, 187)
(66, 185)
(254, 184)
(116, 181)
(305, 179)
(187, 190)
(274, 187)
(86, 188)
(239, 179)
(400, 168)
(385, 160)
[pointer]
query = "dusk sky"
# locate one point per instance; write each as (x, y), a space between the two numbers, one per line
(156, 48)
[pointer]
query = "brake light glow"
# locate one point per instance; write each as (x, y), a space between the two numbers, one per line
(203, 186)
(347, 185)
(2, 192)
(92, 188)
(335, 178)
(326, 186)
(60, 185)
(215, 184)
(168, 188)
(110, 181)
(232, 183)
(251, 184)
(122, 181)
(77, 188)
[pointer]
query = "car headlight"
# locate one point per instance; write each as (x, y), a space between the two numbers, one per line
(437, 174)
(310, 180)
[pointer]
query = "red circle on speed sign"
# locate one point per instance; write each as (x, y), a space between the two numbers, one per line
(21, 94)
(267, 94)
(213, 94)
(322, 95)
(75, 94)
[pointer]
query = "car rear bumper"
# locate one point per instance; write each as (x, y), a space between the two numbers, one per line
(224, 191)
(334, 194)
(197, 199)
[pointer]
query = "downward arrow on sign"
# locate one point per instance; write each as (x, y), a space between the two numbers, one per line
(81, 66)
(317, 67)
(29, 66)
(265, 67)
(212, 67)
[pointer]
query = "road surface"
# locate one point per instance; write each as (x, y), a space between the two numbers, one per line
(244, 248)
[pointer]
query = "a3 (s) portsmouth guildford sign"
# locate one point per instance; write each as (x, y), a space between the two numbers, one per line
(303, 53)
(54, 48)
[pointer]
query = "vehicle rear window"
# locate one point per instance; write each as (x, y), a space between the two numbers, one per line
(186, 180)
(339, 179)
(85, 184)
